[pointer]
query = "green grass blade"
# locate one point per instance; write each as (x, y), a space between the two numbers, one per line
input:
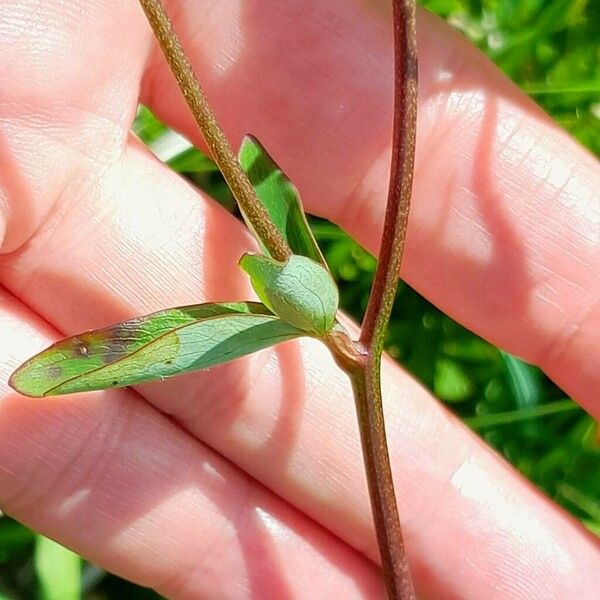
(523, 380)
(522, 414)
(151, 348)
(58, 571)
(281, 199)
(563, 87)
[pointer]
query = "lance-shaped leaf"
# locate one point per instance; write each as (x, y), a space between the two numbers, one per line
(154, 347)
(281, 199)
(299, 290)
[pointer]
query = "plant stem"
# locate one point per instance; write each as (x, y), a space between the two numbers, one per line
(367, 395)
(400, 188)
(211, 131)
(367, 381)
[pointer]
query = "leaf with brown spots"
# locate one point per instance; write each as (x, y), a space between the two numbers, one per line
(160, 345)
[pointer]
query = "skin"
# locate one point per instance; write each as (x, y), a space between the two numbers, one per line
(246, 481)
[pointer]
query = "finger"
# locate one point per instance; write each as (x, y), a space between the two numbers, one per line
(285, 416)
(111, 477)
(505, 226)
(70, 84)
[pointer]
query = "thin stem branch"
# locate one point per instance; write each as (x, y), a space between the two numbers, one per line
(403, 152)
(215, 138)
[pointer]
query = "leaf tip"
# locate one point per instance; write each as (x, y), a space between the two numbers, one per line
(244, 259)
(247, 260)
(248, 138)
(18, 382)
(11, 381)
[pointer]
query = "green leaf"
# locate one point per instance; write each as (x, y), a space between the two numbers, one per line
(281, 199)
(299, 290)
(170, 147)
(192, 160)
(153, 347)
(58, 571)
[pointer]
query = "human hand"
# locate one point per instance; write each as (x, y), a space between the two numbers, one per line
(247, 480)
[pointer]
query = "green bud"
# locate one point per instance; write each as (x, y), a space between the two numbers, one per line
(299, 290)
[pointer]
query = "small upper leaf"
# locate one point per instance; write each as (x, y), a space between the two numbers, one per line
(148, 348)
(281, 199)
(299, 290)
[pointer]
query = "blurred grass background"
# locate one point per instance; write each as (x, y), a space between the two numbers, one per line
(550, 49)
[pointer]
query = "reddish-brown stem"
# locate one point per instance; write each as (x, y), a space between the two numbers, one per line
(213, 134)
(367, 381)
(367, 396)
(400, 188)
